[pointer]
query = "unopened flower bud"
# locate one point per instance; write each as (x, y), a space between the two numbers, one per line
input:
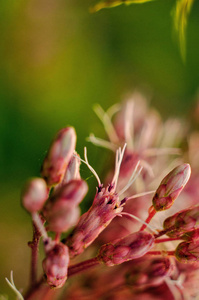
(150, 273)
(61, 211)
(170, 187)
(55, 265)
(58, 156)
(34, 194)
(182, 222)
(63, 218)
(187, 252)
(72, 171)
(191, 236)
(130, 247)
(71, 193)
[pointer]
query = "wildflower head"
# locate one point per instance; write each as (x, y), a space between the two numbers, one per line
(58, 156)
(170, 187)
(130, 247)
(55, 265)
(34, 194)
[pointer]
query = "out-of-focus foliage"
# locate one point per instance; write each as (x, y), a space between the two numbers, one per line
(114, 3)
(180, 13)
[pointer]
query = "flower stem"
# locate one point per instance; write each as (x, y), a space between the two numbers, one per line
(34, 257)
(82, 266)
(167, 253)
(164, 231)
(152, 213)
(166, 240)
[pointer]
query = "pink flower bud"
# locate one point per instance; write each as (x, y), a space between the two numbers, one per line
(130, 247)
(183, 221)
(72, 171)
(149, 273)
(63, 218)
(171, 186)
(34, 194)
(58, 156)
(55, 265)
(187, 252)
(61, 211)
(191, 236)
(71, 194)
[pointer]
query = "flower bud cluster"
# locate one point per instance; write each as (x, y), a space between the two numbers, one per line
(53, 202)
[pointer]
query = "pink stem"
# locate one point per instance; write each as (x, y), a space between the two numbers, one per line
(164, 231)
(169, 253)
(167, 240)
(152, 213)
(82, 266)
(34, 245)
(57, 237)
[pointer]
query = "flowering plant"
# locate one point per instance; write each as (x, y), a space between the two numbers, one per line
(140, 237)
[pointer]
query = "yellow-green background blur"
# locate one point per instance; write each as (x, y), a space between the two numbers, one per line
(56, 61)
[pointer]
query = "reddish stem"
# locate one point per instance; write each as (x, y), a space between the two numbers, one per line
(166, 240)
(169, 253)
(57, 237)
(39, 287)
(164, 231)
(82, 266)
(34, 245)
(152, 213)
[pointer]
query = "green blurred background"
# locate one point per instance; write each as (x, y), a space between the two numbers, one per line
(57, 60)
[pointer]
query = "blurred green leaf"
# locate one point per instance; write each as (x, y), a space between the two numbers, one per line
(180, 15)
(113, 3)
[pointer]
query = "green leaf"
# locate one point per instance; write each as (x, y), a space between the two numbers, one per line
(181, 13)
(113, 3)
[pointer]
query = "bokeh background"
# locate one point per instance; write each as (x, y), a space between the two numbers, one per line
(56, 61)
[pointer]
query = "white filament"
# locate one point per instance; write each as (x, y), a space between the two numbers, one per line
(101, 142)
(132, 178)
(118, 161)
(141, 195)
(13, 287)
(139, 220)
(91, 168)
